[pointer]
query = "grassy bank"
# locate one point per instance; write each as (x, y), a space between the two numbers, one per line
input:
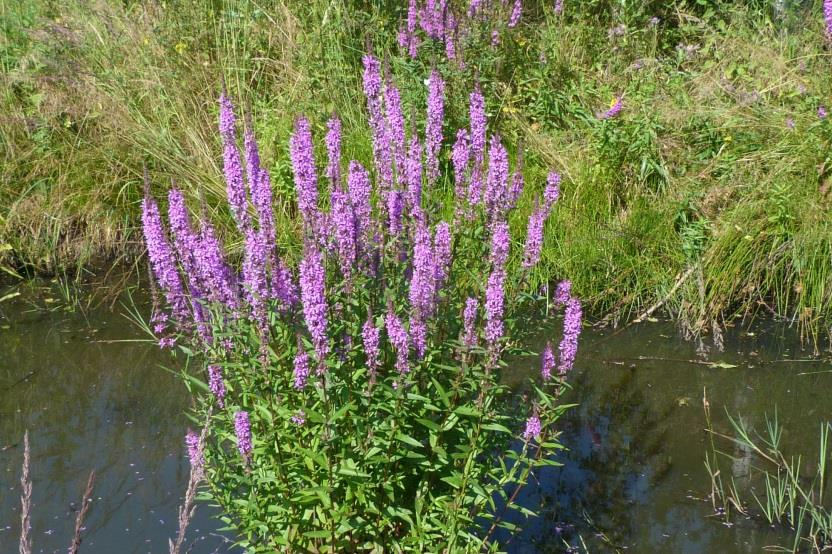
(706, 199)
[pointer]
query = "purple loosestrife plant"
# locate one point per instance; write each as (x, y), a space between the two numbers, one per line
(163, 260)
(232, 165)
(442, 253)
(195, 453)
(433, 127)
(563, 292)
(461, 159)
(301, 369)
(313, 298)
(370, 335)
(533, 428)
(413, 176)
(827, 17)
(469, 317)
(496, 185)
(534, 238)
(614, 109)
(242, 429)
(547, 362)
(571, 330)
(478, 139)
(344, 227)
(306, 178)
(400, 341)
(333, 149)
(216, 384)
(395, 125)
(516, 13)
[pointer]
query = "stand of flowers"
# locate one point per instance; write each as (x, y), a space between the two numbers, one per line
(355, 403)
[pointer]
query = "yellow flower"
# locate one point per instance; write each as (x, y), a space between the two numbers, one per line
(180, 47)
(613, 101)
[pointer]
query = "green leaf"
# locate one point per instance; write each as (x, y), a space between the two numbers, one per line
(407, 439)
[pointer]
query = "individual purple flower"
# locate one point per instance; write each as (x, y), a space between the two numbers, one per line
(232, 165)
(344, 228)
(474, 7)
(534, 238)
(571, 330)
(242, 429)
(442, 252)
(162, 259)
(419, 336)
(313, 299)
(494, 306)
(299, 418)
(563, 292)
(552, 191)
(433, 126)
(547, 362)
(301, 368)
(500, 243)
(495, 38)
(422, 293)
(216, 384)
(370, 335)
(461, 159)
(516, 12)
(399, 339)
(615, 108)
(360, 191)
(496, 184)
(469, 318)
(167, 342)
(395, 125)
(306, 178)
(333, 148)
(413, 175)
(821, 112)
(558, 7)
(478, 140)
(533, 428)
(195, 453)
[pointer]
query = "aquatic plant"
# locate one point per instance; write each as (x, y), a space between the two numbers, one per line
(402, 438)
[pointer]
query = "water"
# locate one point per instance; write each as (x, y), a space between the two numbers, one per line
(633, 479)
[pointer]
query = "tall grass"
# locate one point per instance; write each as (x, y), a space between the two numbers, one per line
(699, 200)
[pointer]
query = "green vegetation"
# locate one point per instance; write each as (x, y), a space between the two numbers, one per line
(706, 197)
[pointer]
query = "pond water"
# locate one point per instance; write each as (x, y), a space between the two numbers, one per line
(94, 397)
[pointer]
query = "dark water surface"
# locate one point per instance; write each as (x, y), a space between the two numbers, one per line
(633, 479)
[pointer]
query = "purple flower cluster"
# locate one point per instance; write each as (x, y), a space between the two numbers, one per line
(216, 384)
(563, 292)
(558, 7)
(533, 428)
(195, 454)
(433, 127)
(516, 12)
(571, 330)
(162, 258)
(827, 16)
(537, 220)
(614, 110)
(399, 340)
(371, 335)
(478, 139)
(242, 429)
(344, 227)
(306, 178)
(496, 184)
(313, 299)
(333, 148)
(299, 418)
(469, 319)
(547, 362)
(301, 368)
(232, 165)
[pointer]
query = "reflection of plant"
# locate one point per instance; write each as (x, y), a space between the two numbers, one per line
(360, 407)
(790, 496)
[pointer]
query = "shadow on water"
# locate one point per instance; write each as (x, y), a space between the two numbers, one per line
(92, 401)
(634, 477)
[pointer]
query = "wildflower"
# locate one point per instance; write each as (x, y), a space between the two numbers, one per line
(422, 282)
(167, 342)
(195, 453)
(399, 340)
(370, 335)
(217, 275)
(516, 188)
(571, 330)
(299, 418)
(301, 368)
(654, 21)
(344, 228)
(255, 278)
(412, 20)
(496, 184)
(313, 299)
(789, 123)
(360, 191)
(283, 287)
(460, 159)
(441, 252)
(494, 305)
(516, 12)
(242, 428)
(478, 131)
(450, 36)
(260, 188)
(474, 7)
(216, 384)
(552, 191)
(532, 427)
(827, 16)
(232, 166)
(395, 205)
(495, 37)
(821, 112)
(500, 242)
(534, 238)
(333, 148)
(469, 318)
(563, 292)
(558, 7)
(433, 126)
(381, 138)
(187, 244)
(162, 259)
(395, 125)
(547, 363)
(413, 175)
(306, 179)
(614, 109)
(418, 335)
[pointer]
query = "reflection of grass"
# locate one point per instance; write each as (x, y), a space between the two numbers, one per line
(787, 490)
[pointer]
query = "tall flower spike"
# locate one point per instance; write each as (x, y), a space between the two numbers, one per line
(162, 259)
(259, 186)
(500, 243)
(469, 318)
(301, 369)
(413, 176)
(460, 159)
(423, 283)
(344, 229)
(360, 192)
(195, 454)
(552, 191)
(478, 130)
(395, 125)
(186, 242)
(534, 238)
(547, 362)
(559, 7)
(563, 292)
(306, 178)
(571, 330)
(442, 253)
(370, 335)
(232, 165)
(216, 384)
(255, 278)
(382, 153)
(399, 339)
(215, 272)
(494, 306)
(496, 185)
(516, 12)
(533, 427)
(827, 16)
(242, 429)
(433, 127)
(313, 298)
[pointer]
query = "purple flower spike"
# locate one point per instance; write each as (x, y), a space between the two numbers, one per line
(260, 187)
(399, 340)
(500, 243)
(255, 278)
(563, 293)
(344, 227)
(216, 384)
(162, 259)
(496, 185)
(615, 108)
(433, 127)
(571, 330)
(333, 148)
(442, 252)
(419, 336)
(413, 175)
(299, 418)
(547, 364)
(461, 159)
(215, 272)
(395, 125)
(469, 317)
(827, 16)
(195, 454)
(552, 191)
(242, 428)
(423, 283)
(534, 238)
(306, 178)
(533, 428)
(360, 191)
(232, 165)
(301, 369)
(313, 298)
(516, 12)
(370, 335)
(478, 140)
(558, 7)
(395, 207)
(821, 112)
(494, 306)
